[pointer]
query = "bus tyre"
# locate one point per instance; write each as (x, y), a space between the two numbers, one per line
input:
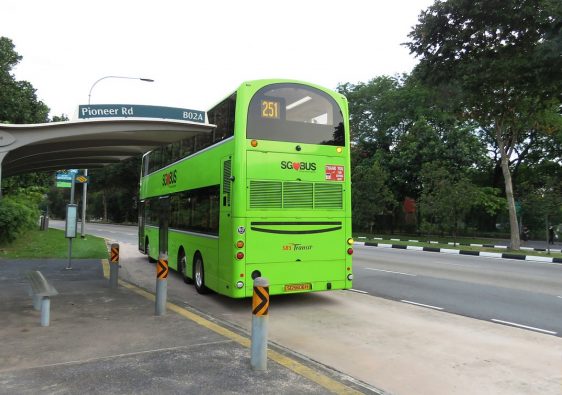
(182, 267)
(147, 251)
(199, 275)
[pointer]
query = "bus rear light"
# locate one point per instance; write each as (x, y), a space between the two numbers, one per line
(350, 251)
(339, 150)
(239, 244)
(241, 275)
(254, 143)
(239, 285)
(350, 241)
(348, 269)
(240, 255)
(350, 276)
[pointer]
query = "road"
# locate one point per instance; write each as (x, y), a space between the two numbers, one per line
(121, 233)
(504, 291)
(382, 342)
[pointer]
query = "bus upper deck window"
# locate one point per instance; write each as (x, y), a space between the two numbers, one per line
(295, 113)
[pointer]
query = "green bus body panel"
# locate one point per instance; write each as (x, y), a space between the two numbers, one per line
(200, 170)
(295, 240)
(288, 207)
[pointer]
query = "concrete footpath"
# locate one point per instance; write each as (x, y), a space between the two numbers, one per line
(109, 341)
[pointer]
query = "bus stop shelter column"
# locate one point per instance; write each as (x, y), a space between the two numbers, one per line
(2, 155)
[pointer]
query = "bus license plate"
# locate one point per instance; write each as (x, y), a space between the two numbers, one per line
(298, 287)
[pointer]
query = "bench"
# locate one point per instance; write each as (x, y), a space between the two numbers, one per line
(41, 290)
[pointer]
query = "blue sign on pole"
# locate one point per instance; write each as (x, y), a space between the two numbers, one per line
(64, 178)
(139, 111)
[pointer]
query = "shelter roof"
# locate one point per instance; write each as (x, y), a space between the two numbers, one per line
(86, 143)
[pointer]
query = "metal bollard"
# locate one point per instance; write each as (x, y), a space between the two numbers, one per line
(114, 266)
(161, 284)
(45, 310)
(260, 319)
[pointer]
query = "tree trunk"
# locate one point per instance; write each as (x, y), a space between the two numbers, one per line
(514, 226)
(104, 202)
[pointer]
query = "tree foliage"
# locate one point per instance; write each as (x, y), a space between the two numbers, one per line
(114, 191)
(446, 198)
(19, 212)
(500, 62)
(371, 195)
(18, 99)
(398, 126)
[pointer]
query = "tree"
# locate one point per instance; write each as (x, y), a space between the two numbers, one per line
(371, 195)
(500, 60)
(541, 195)
(404, 124)
(18, 100)
(114, 189)
(446, 198)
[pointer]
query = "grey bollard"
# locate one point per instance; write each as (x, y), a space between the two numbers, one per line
(45, 310)
(161, 284)
(260, 319)
(114, 266)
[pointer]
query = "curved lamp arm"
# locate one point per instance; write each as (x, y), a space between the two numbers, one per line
(116, 76)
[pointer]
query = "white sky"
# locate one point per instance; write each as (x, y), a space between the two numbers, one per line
(199, 51)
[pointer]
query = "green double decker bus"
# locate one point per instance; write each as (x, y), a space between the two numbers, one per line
(265, 194)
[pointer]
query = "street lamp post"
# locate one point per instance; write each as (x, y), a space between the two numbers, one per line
(85, 185)
(116, 76)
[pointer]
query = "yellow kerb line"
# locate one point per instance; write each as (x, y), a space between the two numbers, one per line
(297, 367)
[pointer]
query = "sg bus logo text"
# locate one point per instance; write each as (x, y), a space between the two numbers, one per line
(310, 166)
(169, 178)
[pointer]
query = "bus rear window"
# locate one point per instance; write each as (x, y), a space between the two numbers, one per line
(295, 113)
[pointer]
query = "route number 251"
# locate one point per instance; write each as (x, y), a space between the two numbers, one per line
(270, 109)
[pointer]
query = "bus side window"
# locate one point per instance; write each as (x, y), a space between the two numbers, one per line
(222, 115)
(145, 165)
(187, 146)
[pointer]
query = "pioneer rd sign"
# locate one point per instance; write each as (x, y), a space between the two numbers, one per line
(139, 111)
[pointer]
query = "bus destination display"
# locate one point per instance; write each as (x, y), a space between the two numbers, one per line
(270, 109)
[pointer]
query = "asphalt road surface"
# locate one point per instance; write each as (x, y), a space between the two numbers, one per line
(120, 233)
(509, 292)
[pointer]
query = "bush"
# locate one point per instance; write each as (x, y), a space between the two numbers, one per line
(18, 212)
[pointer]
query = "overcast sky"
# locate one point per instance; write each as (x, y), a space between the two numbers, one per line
(199, 51)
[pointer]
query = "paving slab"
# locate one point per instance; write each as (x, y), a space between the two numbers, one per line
(109, 341)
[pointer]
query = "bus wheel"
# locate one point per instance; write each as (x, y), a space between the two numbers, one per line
(199, 275)
(182, 267)
(147, 252)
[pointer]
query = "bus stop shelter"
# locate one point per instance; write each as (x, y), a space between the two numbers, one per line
(86, 143)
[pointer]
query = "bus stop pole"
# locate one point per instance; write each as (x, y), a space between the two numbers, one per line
(260, 319)
(161, 284)
(2, 155)
(84, 196)
(69, 266)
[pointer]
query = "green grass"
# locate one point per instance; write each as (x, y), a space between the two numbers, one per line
(52, 244)
(469, 248)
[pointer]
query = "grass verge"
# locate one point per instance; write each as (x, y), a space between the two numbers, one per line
(52, 244)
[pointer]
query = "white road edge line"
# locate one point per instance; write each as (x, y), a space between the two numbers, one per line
(358, 291)
(559, 297)
(389, 271)
(524, 326)
(421, 304)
